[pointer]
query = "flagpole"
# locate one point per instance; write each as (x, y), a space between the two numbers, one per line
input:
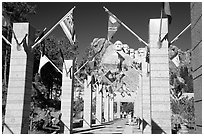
(176, 38)
(160, 29)
(6, 40)
(56, 67)
(140, 39)
(52, 28)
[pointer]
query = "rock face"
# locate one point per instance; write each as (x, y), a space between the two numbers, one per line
(109, 60)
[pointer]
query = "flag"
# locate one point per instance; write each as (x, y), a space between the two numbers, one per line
(121, 58)
(113, 26)
(110, 76)
(147, 54)
(176, 60)
(43, 61)
(67, 25)
(167, 11)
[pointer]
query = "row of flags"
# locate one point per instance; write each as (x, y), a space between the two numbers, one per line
(67, 25)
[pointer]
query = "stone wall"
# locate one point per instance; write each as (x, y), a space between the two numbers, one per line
(196, 38)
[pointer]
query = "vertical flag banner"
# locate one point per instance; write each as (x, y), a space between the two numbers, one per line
(167, 11)
(43, 61)
(176, 60)
(121, 59)
(68, 27)
(113, 26)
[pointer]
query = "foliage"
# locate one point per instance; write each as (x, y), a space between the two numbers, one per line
(184, 109)
(78, 106)
(186, 74)
(18, 11)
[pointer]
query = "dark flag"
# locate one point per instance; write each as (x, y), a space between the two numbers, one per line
(113, 25)
(167, 11)
(110, 76)
(147, 55)
(121, 58)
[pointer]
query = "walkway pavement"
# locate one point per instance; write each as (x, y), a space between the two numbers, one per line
(119, 126)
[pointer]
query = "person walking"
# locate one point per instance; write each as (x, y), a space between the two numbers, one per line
(129, 118)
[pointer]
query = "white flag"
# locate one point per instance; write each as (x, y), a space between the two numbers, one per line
(176, 60)
(44, 60)
(68, 27)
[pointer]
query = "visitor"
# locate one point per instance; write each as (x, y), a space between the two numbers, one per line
(129, 118)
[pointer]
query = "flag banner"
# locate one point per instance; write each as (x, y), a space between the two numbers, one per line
(110, 76)
(68, 27)
(113, 25)
(147, 55)
(43, 61)
(121, 59)
(167, 11)
(176, 60)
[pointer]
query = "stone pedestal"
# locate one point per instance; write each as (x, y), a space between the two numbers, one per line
(87, 103)
(99, 104)
(67, 98)
(20, 81)
(146, 110)
(159, 67)
(140, 101)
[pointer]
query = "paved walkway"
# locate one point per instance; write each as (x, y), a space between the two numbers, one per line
(119, 126)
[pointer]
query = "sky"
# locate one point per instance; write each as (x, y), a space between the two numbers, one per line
(91, 21)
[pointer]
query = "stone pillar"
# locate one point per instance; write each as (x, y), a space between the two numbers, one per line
(67, 97)
(118, 109)
(99, 104)
(140, 101)
(146, 110)
(20, 81)
(111, 115)
(135, 108)
(136, 104)
(87, 103)
(159, 83)
(106, 105)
